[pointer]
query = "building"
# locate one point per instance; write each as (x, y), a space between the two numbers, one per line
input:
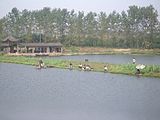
(12, 45)
(9, 45)
(40, 47)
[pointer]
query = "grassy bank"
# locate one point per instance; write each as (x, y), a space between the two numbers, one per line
(102, 50)
(128, 69)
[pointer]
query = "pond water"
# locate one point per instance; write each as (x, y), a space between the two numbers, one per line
(57, 94)
(116, 59)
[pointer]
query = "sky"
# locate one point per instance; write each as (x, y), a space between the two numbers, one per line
(97, 6)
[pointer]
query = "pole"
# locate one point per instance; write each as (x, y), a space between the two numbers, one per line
(40, 42)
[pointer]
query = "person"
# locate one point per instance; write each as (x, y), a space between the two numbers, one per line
(43, 65)
(88, 67)
(138, 72)
(134, 61)
(70, 66)
(86, 60)
(83, 67)
(40, 63)
(105, 68)
(80, 66)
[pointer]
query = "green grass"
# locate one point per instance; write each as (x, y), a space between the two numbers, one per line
(129, 69)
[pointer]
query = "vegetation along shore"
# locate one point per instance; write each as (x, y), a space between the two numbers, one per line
(128, 69)
(73, 50)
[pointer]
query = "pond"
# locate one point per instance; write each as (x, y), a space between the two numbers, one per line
(58, 94)
(115, 59)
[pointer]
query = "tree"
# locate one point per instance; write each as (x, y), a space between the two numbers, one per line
(102, 27)
(138, 27)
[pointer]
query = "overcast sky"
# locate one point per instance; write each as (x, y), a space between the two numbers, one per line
(78, 5)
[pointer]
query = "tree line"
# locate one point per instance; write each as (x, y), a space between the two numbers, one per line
(138, 27)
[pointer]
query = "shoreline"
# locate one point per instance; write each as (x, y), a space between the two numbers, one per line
(127, 69)
(71, 51)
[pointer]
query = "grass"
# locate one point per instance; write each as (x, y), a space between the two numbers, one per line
(104, 50)
(129, 69)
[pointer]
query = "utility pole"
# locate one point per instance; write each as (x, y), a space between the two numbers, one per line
(41, 40)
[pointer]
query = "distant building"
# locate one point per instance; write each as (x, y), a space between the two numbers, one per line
(12, 45)
(40, 47)
(9, 44)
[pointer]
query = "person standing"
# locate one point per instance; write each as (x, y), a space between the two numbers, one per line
(70, 66)
(134, 61)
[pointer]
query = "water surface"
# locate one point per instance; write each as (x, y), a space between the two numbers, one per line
(116, 59)
(57, 94)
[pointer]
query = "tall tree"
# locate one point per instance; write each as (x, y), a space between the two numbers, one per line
(138, 27)
(102, 27)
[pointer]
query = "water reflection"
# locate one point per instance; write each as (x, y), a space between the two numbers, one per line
(57, 94)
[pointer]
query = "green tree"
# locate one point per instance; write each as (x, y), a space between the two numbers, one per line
(138, 27)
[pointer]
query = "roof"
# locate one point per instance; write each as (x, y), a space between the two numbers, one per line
(41, 44)
(10, 38)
